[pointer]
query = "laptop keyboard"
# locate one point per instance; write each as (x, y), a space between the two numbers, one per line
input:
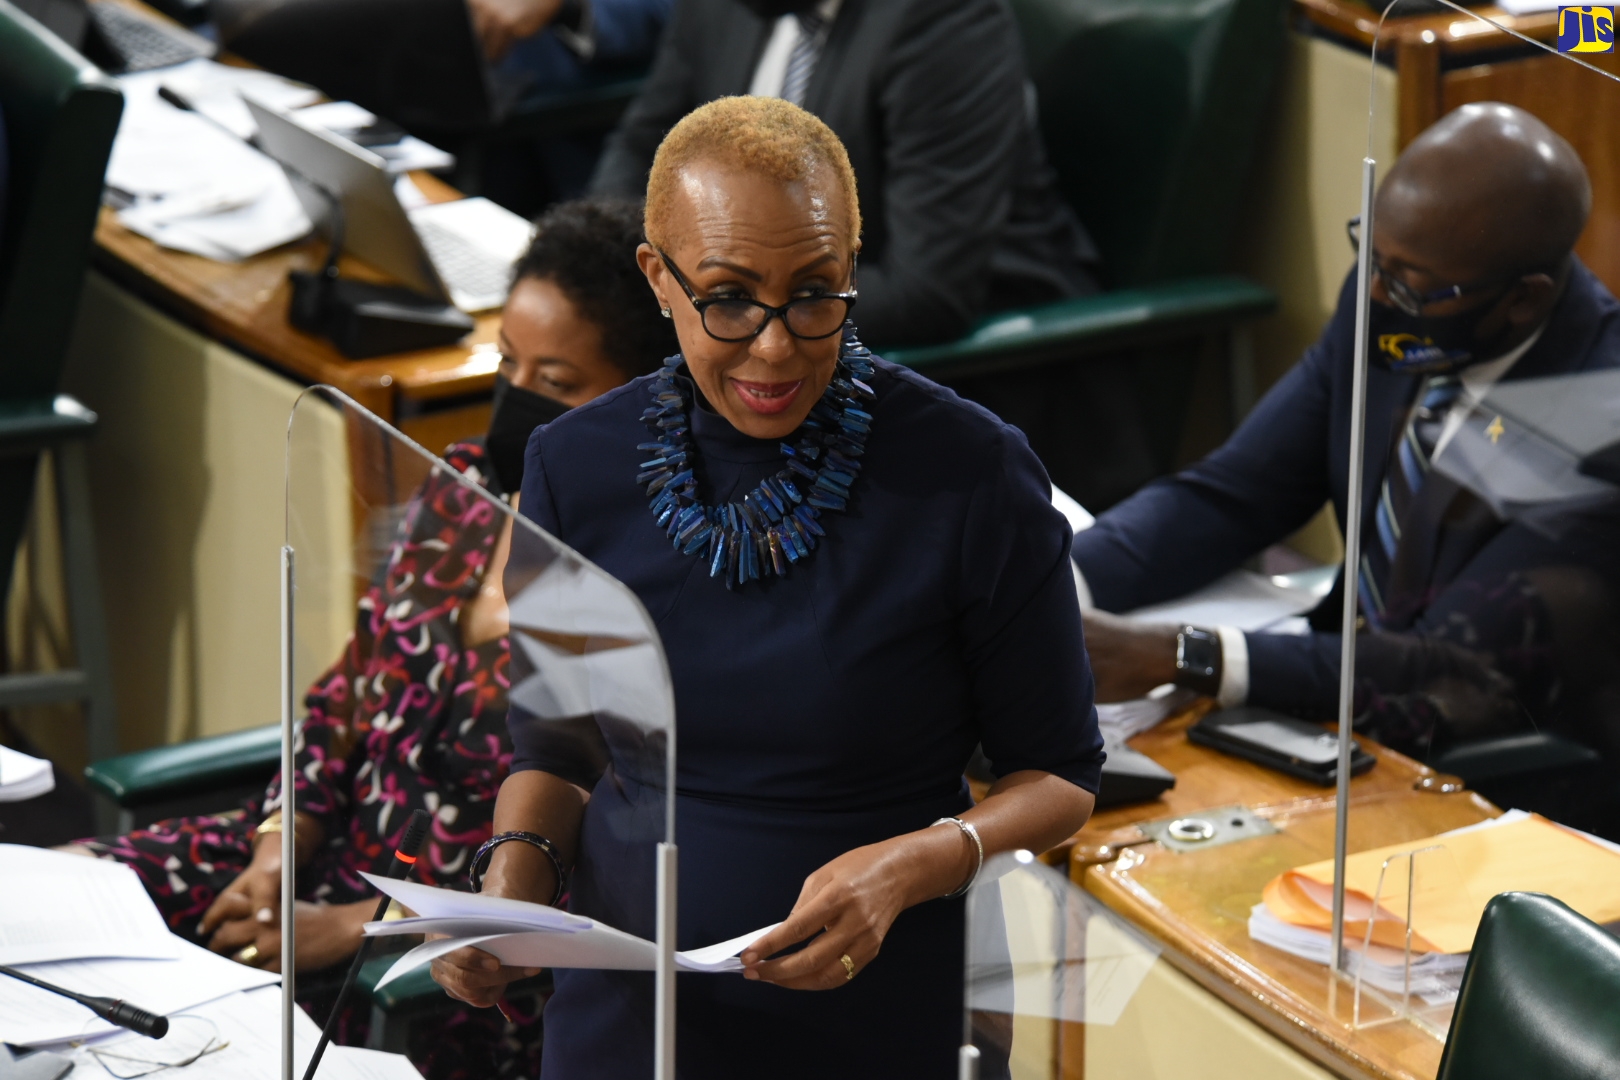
(467, 269)
(143, 43)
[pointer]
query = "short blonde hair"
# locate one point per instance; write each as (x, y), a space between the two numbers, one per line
(756, 134)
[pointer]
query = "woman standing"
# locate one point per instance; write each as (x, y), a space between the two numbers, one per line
(857, 576)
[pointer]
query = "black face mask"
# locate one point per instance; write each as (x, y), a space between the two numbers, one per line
(516, 414)
(1426, 344)
(775, 9)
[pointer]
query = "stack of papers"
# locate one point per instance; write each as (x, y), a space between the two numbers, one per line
(191, 184)
(530, 935)
(23, 777)
(56, 906)
(249, 1024)
(1455, 878)
(1123, 719)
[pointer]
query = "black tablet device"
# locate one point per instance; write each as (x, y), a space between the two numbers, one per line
(1279, 742)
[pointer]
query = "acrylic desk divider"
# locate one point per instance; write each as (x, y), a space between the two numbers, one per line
(1426, 995)
(1048, 971)
(1485, 457)
(384, 538)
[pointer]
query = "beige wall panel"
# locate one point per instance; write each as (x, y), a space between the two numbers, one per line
(186, 482)
(1173, 1029)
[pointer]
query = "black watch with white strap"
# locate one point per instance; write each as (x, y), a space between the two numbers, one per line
(1198, 660)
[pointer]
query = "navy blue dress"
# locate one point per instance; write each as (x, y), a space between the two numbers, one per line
(816, 713)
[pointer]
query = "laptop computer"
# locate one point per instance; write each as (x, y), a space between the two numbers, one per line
(115, 37)
(459, 252)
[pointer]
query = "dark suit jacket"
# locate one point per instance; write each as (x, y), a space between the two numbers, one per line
(1505, 590)
(961, 210)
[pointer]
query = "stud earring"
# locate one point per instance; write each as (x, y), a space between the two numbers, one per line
(664, 312)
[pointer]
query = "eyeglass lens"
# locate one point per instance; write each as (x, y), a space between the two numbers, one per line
(810, 317)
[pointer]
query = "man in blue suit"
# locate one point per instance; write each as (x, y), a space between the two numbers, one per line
(1472, 625)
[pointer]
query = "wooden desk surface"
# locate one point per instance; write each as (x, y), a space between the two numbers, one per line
(244, 305)
(1207, 778)
(1197, 904)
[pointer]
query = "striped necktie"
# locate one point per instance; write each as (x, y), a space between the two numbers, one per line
(802, 60)
(1402, 481)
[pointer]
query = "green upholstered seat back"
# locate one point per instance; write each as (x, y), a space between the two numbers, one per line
(1540, 998)
(1150, 110)
(60, 114)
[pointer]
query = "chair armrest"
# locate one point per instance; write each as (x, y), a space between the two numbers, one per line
(1087, 324)
(412, 988)
(193, 768)
(1513, 755)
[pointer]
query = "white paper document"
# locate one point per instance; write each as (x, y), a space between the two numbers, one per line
(30, 1016)
(56, 906)
(195, 186)
(23, 777)
(249, 1024)
(531, 935)
(1242, 600)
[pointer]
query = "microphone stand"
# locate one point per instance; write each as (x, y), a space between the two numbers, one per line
(113, 1010)
(404, 858)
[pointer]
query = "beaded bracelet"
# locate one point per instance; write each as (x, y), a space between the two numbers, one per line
(972, 834)
(480, 860)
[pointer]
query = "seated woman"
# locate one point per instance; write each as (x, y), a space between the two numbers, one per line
(578, 323)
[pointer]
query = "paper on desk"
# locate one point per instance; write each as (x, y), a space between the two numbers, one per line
(1242, 600)
(1529, 854)
(30, 1016)
(216, 90)
(194, 187)
(250, 1024)
(1435, 977)
(23, 777)
(56, 906)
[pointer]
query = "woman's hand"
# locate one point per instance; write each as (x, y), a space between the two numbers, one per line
(328, 934)
(848, 906)
(474, 976)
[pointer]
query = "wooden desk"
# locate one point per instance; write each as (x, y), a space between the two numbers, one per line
(1196, 905)
(1206, 778)
(244, 305)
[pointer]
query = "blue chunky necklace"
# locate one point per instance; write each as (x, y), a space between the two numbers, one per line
(774, 525)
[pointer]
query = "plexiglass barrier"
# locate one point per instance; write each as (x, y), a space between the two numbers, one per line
(1049, 976)
(416, 596)
(1486, 460)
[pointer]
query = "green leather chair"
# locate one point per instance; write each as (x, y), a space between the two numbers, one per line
(1539, 997)
(60, 116)
(1150, 110)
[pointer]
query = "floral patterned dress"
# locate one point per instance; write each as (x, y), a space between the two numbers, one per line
(407, 719)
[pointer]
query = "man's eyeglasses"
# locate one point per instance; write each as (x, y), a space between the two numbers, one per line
(1403, 295)
(737, 318)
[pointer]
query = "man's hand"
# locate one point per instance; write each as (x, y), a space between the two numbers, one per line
(501, 23)
(1128, 658)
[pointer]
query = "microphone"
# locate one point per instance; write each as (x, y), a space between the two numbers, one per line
(398, 867)
(113, 1010)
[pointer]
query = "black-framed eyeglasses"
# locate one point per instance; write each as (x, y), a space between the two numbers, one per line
(1403, 295)
(738, 318)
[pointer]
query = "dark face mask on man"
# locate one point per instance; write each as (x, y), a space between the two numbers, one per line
(516, 414)
(1427, 344)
